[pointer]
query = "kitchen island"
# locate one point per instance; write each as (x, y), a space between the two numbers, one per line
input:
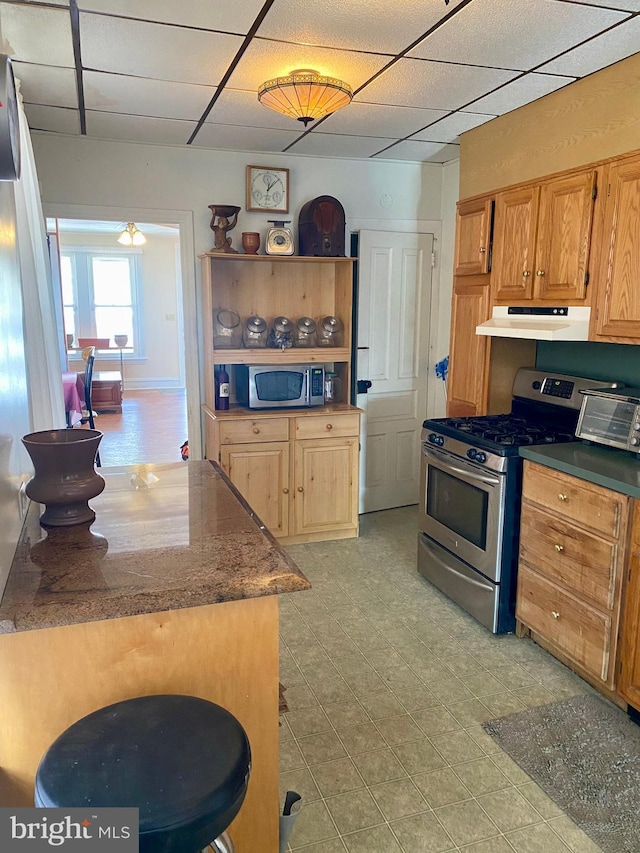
(173, 589)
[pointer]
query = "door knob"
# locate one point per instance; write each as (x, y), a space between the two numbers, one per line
(526, 274)
(539, 272)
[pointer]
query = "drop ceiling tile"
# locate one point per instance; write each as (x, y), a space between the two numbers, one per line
(46, 84)
(383, 28)
(170, 53)
(194, 13)
(362, 119)
(521, 91)
(52, 2)
(421, 152)
(118, 93)
(450, 128)
(53, 119)
(629, 5)
(233, 138)
(502, 34)
(336, 145)
(436, 85)
(266, 59)
(138, 128)
(601, 51)
(37, 34)
(237, 106)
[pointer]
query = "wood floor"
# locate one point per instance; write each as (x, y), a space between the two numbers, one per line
(151, 428)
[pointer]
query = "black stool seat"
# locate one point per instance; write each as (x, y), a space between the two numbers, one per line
(183, 761)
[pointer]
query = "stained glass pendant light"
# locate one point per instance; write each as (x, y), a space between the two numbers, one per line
(132, 236)
(305, 95)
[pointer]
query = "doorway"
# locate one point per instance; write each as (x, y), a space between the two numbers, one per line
(148, 292)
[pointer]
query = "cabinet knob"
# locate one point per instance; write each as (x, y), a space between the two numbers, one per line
(562, 497)
(559, 548)
(555, 614)
(256, 430)
(482, 249)
(329, 426)
(526, 273)
(300, 489)
(285, 491)
(539, 272)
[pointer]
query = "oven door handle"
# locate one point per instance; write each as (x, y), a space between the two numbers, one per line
(448, 467)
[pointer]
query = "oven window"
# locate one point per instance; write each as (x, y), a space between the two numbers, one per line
(460, 507)
(279, 386)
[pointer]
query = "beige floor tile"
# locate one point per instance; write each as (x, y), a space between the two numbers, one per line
(345, 714)
(377, 840)
(330, 691)
(339, 647)
(337, 777)
(540, 801)
(419, 756)
(314, 824)
(576, 840)
(513, 676)
(364, 737)
(290, 756)
(381, 659)
(332, 845)
(508, 809)
(441, 787)
(353, 664)
(534, 695)
(436, 721)
(481, 683)
(450, 690)
(514, 774)
(492, 845)
(383, 705)
(300, 781)
(354, 811)
(299, 697)
(308, 654)
(482, 776)
(309, 721)
(397, 730)
(399, 798)
(416, 698)
(367, 684)
(536, 839)
(466, 822)
(379, 766)
(457, 747)
(502, 704)
(422, 833)
(317, 749)
(484, 740)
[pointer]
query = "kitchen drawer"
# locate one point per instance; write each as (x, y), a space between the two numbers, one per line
(582, 632)
(570, 556)
(243, 430)
(590, 506)
(328, 426)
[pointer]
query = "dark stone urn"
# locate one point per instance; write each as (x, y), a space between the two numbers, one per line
(65, 477)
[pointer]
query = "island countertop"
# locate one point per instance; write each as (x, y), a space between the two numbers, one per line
(166, 537)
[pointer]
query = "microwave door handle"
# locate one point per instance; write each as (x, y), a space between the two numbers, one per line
(307, 388)
(448, 467)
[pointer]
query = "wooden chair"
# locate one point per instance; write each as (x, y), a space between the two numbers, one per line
(88, 356)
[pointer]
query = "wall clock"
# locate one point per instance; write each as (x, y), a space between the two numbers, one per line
(267, 189)
(9, 126)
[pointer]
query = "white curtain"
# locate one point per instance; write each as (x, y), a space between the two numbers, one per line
(40, 327)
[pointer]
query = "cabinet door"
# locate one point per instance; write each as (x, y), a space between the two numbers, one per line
(618, 299)
(473, 232)
(564, 237)
(325, 493)
(514, 240)
(260, 472)
(629, 680)
(469, 353)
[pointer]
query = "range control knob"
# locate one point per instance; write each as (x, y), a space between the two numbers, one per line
(635, 441)
(433, 438)
(536, 385)
(481, 457)
(636, 426)
(472, 453)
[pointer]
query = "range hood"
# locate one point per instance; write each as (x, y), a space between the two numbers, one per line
(538, 324)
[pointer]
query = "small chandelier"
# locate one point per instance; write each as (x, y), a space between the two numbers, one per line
(305, 95)
(132, 236)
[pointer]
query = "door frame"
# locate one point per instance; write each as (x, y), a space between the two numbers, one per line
(188, 312)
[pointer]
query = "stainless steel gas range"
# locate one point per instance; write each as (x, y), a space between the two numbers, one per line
(471, 478)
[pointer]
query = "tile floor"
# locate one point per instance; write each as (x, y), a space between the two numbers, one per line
(387, 682)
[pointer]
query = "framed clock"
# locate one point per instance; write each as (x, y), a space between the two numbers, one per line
(267, 189)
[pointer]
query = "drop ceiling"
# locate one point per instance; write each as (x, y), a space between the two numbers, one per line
(187, 73)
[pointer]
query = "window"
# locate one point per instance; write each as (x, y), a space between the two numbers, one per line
(101, 296)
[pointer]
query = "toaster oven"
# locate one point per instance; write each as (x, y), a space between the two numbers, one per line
(611, 417)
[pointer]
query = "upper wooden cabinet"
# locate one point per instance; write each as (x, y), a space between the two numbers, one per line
(541, 242)
(617, 299)
(469, 359)
(473, 236)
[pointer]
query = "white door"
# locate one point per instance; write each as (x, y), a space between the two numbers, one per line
(394, 301)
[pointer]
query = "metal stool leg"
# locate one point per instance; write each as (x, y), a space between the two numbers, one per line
(222, 844)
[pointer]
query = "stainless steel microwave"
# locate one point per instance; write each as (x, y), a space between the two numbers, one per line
(266, 386)
(611, 417)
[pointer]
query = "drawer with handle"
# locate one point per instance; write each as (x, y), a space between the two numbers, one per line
(244, 431)
(591, 506)
(328, 426)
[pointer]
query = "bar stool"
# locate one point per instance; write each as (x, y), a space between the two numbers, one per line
(183, 761)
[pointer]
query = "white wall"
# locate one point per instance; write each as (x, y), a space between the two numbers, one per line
(450, 195)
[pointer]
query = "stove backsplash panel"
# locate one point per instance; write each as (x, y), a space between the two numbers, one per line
(592, 360)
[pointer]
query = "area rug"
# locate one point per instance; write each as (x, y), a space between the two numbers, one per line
(585, 753)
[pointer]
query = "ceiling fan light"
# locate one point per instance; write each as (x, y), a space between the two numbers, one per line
(305, 95)
(132, 236)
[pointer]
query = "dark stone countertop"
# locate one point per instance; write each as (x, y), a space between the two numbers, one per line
(165, 537)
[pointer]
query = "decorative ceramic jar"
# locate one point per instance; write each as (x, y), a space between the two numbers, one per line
(65, 477)
(251, 242)
(121, 340)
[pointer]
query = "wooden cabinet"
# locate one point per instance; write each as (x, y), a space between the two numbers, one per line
(469, 353)
(299, 471)
(629, 680)
(106, 391)
(541, 243)
(571, 567)
(473, 236)
(617, 314)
